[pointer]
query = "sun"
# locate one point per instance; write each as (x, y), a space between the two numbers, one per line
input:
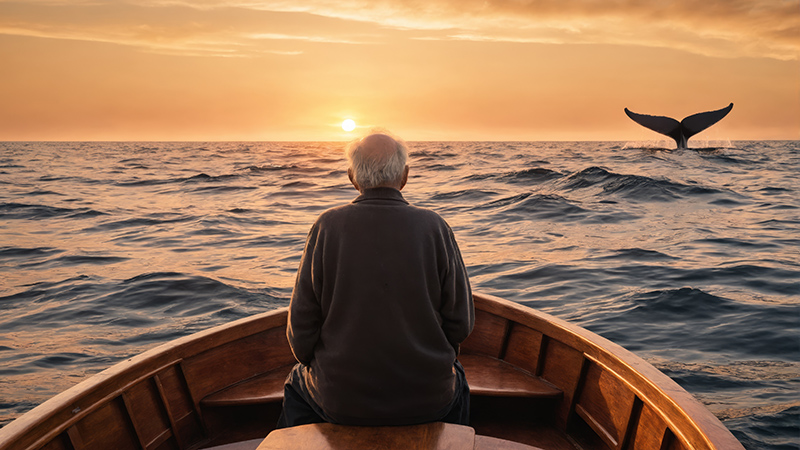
(349, 125)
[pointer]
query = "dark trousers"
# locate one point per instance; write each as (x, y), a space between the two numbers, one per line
(300, 409)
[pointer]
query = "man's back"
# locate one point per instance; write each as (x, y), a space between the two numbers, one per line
(381, 304)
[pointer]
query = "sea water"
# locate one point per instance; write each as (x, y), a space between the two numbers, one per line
(689, 258)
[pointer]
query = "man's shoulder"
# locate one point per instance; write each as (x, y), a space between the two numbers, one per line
(427, 213)
(331, 214)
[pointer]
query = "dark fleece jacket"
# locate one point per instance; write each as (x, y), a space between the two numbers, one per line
(380, 306)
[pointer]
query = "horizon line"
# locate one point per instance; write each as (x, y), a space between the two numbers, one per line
(406, 140)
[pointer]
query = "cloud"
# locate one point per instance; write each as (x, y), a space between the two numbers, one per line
(170, 28)
(721, 28)
(718, 28)
(288, 37)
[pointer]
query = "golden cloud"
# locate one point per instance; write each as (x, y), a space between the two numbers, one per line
(718, 28)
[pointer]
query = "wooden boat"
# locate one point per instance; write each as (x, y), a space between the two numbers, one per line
(536, 381)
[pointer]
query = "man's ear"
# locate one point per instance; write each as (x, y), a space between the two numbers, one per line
(353, 179)
(405, 178)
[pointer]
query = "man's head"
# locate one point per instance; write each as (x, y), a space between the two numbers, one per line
(377, 160)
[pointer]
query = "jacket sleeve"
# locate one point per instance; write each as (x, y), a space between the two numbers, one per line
(457, 310)
(305, 312)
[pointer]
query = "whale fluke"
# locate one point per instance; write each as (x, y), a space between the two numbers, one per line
(683, 130)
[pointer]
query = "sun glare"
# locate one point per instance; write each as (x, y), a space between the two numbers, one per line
(349, 125)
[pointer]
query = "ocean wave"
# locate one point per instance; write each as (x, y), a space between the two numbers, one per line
(695, 321)
(144, 301)
(634, 186)
(40, 192)
(197, 178)
(205, 178)
(75, 260)
(25, 211)
(745, 371)
(268, 168)
(550, 207)
(463, 195)
(755, 244)
(525, 176)
(224, 189)
(528, 205)
(779, 424)
(760, 278)
(638, 254)
(26, 253)
(156, 220)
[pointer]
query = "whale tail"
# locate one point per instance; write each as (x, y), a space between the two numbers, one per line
(683, 130)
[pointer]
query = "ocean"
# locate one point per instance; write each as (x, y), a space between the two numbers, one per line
(689, 258)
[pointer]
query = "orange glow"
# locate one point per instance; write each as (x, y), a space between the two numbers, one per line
(441, 70)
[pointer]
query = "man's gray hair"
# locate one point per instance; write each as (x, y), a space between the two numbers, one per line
(371, 170)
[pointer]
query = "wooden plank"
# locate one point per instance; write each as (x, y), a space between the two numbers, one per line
(492, 443)
(326, 436)
(62, 442)
(168, 410)
(485, 375)
(163, 440)
(49, 420)
(75, 438)
(184, 417)
(136, 427)
(649, 431)
(264, 388)
(633, 423)
(106, 428)
(562, 367)
(605, 402)
(689, 419)
(524, 347)
(226, 365)
(489, 335)
(609, 439)
(148, 413)
(493, 377)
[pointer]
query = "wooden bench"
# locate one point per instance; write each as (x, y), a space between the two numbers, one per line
(264, 388)
(486, 376)
(492, 377)
(429, 436)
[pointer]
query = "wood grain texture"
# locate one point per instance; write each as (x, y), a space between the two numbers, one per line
(523, 347)
(263, 388)
(488, 336)
(494, 377)
(325, 436)
(605, 403)
(118, 408)
(490, 443)
(693, 425)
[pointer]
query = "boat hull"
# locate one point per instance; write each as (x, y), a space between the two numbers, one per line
(223, 385)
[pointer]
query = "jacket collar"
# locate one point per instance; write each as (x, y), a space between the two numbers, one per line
(381, 193)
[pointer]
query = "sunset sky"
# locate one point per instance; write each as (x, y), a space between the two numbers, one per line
(425, 69)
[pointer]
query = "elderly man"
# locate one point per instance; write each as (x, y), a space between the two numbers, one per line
(380, 306)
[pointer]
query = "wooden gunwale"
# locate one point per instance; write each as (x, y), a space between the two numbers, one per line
(686, 418)
(684, 414)
(54, 416)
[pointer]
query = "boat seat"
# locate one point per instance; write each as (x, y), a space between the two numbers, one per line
(264, 388)
(487, 376)
(428, 436)
(492, 377)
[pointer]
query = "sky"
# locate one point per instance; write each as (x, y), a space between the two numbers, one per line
(494, 70)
